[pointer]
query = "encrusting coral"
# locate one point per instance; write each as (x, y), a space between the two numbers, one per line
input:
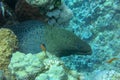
(8, 44)
(39, 67)
(106, 75)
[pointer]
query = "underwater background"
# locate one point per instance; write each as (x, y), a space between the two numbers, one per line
(60, 40)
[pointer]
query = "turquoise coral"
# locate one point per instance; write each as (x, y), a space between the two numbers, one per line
(35, 67)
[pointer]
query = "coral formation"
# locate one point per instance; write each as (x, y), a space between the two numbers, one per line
(8, 44)
(24, 11)
(98, 23)
(39, 67)
(53, 12)
(106, 74)
(40, 3)
(60, 16)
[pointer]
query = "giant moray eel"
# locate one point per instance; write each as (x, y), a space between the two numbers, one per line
(57, 40)
(63, 43)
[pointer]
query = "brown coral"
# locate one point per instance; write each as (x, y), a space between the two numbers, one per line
(24, 11)
(8, 43)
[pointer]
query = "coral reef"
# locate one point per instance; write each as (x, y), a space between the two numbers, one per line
(41, 3)
(98, 23)
(8, 44)
(40, 67)
(53, 12)
(106, 74)
(24, 11)
(60, 16)
(91, 15)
